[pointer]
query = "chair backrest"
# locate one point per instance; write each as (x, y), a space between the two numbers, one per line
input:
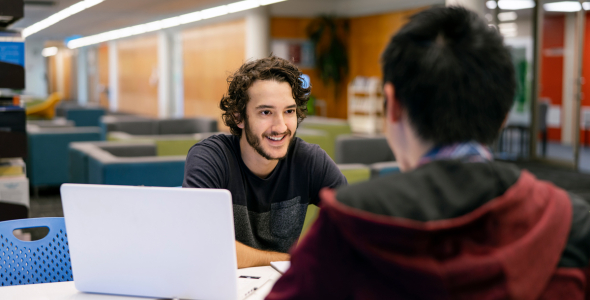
(41, 261)
(126, 150)
(85, 116)
(45, 109)
(353, 149)
(187, 126)
(139, 127)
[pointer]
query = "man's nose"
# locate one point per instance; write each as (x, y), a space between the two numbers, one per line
(279, 124)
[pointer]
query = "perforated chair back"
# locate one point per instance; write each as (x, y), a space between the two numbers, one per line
(41, 261)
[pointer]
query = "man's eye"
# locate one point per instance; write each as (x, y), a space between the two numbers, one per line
(290, 111)
(265, 112)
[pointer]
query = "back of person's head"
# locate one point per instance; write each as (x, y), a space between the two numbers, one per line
(452, 74)
(272, 68)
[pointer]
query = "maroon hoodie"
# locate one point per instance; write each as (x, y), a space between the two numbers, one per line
(447, 230)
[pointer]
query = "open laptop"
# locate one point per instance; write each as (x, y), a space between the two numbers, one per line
(153, 242)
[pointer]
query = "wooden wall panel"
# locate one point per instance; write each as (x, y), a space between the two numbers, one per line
(210, 55)
(552, 66)
(103, 75)
(138, 87)
(367, 38)
(68, 80)
(51, 74)
(295, 28)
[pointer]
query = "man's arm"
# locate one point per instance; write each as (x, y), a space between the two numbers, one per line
(331, 176)
(204, 167)
(250, 257)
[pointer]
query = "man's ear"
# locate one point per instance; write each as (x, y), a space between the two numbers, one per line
(241, 124)
(393, 108)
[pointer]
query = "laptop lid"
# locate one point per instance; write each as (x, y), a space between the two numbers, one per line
(151, 241)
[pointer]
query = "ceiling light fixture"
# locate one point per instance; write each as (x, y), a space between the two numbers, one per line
(170, 22)
(511, 4)
(508, 29)
(563, 6)
(51, 51)
(58, 16)
(507, 16)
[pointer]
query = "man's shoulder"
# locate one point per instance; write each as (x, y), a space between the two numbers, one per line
(217, 142)
(304, 150)
(432, 191)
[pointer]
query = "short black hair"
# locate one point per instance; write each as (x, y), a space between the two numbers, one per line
(453, 75)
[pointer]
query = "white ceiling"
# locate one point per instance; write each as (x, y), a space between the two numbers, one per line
(114, 14)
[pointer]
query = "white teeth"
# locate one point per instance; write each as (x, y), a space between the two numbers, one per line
(275, 138)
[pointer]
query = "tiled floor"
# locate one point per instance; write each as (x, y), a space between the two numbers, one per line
(512, 143)
(47, 204)
(564, 152)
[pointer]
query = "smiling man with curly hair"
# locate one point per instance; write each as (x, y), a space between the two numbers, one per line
(271, 174)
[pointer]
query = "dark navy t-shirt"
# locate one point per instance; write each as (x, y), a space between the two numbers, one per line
(268, 213)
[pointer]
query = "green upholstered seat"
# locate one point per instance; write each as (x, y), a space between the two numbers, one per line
(172, 147)
(333, 127)
(318, 137)
(166, 145)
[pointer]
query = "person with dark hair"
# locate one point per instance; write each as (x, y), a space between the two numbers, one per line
(271, 174)
(454, 224)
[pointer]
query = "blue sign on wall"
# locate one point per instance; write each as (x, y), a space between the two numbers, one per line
(12, 64)
(13, 53)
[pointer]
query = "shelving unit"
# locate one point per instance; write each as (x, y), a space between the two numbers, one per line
(365, 105)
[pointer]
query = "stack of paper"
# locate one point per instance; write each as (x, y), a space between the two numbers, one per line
(12, 167)
(14, 185)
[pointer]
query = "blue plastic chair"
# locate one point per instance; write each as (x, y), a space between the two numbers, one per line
(41, 261)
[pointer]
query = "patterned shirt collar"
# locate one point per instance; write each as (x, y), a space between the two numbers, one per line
(466, 152)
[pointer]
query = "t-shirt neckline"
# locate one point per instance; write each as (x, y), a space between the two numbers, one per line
(245, 167)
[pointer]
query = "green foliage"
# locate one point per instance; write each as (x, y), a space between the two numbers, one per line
(311, 106)
(326, 32)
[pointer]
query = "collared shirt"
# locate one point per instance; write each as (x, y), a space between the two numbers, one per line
(467, 152)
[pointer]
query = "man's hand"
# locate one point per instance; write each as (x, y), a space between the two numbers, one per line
(250, 257)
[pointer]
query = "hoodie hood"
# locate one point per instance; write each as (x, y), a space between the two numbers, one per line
(509, 244)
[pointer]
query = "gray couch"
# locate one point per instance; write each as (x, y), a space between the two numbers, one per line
(362, 149)
(136, 125)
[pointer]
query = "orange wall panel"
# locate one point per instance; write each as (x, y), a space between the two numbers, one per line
(367, 37)
(103, 74)
(585, 134)
(51, 74)
(289, 28)
(67, 58)
(552, 65)
(138, 62)
(210, 55)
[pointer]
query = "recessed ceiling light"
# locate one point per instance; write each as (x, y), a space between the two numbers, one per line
(507, 16)
(511, 4)
(170, 22)
(51, 51)
(60, 15)
(563, 6)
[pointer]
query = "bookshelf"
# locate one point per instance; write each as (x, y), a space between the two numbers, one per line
(365, 105)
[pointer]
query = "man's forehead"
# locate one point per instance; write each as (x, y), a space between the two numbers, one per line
(270, 94)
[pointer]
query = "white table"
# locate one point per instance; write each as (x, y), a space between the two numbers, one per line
(67, 290)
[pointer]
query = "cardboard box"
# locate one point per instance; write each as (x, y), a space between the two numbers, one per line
(15, 190)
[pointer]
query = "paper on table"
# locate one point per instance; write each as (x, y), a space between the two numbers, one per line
(281, 266)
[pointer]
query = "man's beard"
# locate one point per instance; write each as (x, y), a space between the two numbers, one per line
(254, 141)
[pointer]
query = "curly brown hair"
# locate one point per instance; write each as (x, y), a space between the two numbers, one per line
(272, 68)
